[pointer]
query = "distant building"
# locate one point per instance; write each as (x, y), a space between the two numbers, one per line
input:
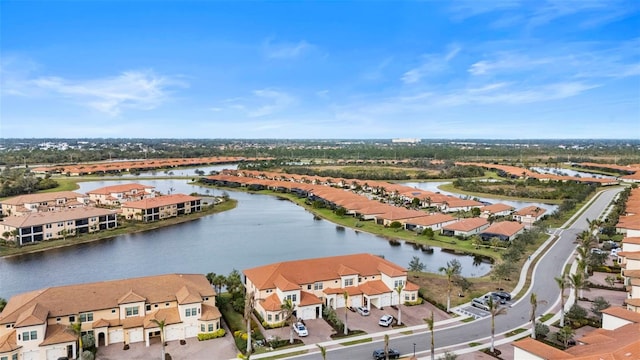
(529, 215)
(503, 230)
(161, 207)
(41, 202)
(119, 194)
(35, 325)
(406, 140)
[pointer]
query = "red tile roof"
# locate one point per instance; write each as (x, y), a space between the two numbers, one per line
(160, 201)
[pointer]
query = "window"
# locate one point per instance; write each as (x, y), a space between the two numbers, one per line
(202, 328)
(210, 327)
(86, 317)
(292, 297)
(148, 307)
(4, 358)
(191, 312)
(269, 317)
(406, 297)
(348, 282)
(397, 283)
(131, 311)
(277, 317)
(25, 336)
(72, 319)
(34, 335)
(113, 311)
(48, 226)
(14, 357)
(60, 224)
(317, 286)
(309, 287)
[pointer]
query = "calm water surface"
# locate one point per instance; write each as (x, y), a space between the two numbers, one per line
(260, 230)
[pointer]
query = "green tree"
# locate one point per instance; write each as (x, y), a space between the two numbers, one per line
(562, 284)
(415, 265)
(3, 303)
(399, 291)
(430, 325)
(451, 271)
(76, 328)
(476, 241)
(494, 310)
(564, 335)
(502, 271)
(323, 351)
(219, 281)
(495, 243)
(533, 300)
(340, 211)
(396, 225)
(249, 304)
(428, 232)
(386, 346)
(345, 295)
(578, 283)
(161, 324)
(287, 308)
(475, 212)
(599, 304)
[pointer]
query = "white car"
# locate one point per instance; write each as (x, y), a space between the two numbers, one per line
(363, 311)
(300, 329)
(386, 320)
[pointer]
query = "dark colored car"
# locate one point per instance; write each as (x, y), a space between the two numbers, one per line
(503, 295)
(379, 354)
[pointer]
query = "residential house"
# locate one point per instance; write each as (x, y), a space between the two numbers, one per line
(617, 339)
(118, 194)
(527, 216)
(496, 210)
(368, 280)
(41, 202)
(465, 227)
(161, 207)
(453, 204)
(34, 227)
(503, 230)
(629, 259)
(35, 325)
(434, 221)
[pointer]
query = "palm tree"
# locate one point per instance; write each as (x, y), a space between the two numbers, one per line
(579, 283)
(161, 324)
(219, 282)
(76, 327)
(533, 300)
(562, 284)
(476, 241)
(323, 351)
(451, 271)
(287, 314)
(494, 309)
(249, 304)
(399, 291)
(3, 303)
(346, 297)
(210, 277)
(583, 264)
(386, 346)
(430, 324)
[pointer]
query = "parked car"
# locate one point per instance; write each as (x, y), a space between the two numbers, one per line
(496, 298)
(597, 251)
(614, 252)
(379, 354)
(300, 329)
(363, 311)
(503, 295)
(386, 320)
(480, 303)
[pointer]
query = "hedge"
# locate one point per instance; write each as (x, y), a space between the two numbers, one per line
(211, 335)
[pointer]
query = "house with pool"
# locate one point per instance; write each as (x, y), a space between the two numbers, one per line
(310, 284)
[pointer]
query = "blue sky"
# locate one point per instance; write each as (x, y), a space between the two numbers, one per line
(294, 69)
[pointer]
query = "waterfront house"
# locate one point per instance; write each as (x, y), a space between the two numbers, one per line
(41, 202)
(496, 210)
(35, 325)
(434, 221)
(34, 227)
(503, 230)
(368, 280)
(161, 207)
(629, 259)
(118, 194)
(527, 216)
(465, 227)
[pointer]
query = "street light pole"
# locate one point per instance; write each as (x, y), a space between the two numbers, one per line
(414, 350)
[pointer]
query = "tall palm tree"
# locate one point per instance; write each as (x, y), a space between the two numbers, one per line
(533, 300)
(399, 291)
(249, 304)
(579, 283)
(583, 262)
(451, 271)
(76, 327)
(430, 324)
(287, 314)
(562, 284)
(161, 324)
(323, 351)
(346, 310)
(386, 346)
(494, 309)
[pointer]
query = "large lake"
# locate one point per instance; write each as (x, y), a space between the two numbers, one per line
(260, 230)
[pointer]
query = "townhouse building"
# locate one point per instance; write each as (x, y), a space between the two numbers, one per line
(466, 227)
(527, 216)
(119, 194)
(42, 226)
(41, 202)
(368, 280)
(36, 325)
(161, 207)
(503, 230)
(496, 210)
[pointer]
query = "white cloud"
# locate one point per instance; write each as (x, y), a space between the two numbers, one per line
(286, 50)
(132, 89)
(432, 64)
(264, 102)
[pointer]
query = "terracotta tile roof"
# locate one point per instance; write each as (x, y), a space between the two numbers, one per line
(430, 220)
(632, 273)
(48, 217)
(622, 313)
(631, 240)
(633, 302)
(75, 299)
(532, 211)
(455, 202)
(34, 315)
(8, 342)
(132, 322)
(409, 286)
(496, 208)
(621, 343)
(130, 297)
(399, 213)
(271, 303)
(351, 290)
(506, 228)
(630, 255)
(187, 295)
(100, 323)
(42, 197)
(319, 269)
(466, 224)
(284, 284)
(375, 287)
(169, 315)
(208, 313)
(57, 334)
(122, 188)
(541, 349)
(307, 299)
(159, 201)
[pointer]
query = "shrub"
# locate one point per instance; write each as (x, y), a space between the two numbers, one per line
(412, 303)
(212, 335)
(542, 330)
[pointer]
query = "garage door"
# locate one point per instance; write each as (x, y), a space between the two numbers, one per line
(191, 331)
(31, 355)
(116, 336)
(55, 353)
(356, 301)
(173, 333)
(135, 336)
(307, 312)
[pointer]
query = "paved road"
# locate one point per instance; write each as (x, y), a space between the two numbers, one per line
(544, 285)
